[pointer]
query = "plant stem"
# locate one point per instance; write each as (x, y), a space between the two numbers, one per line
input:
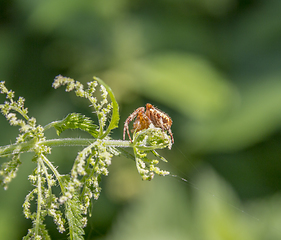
(39, 197)
(68, 142)
(63, 142)
(54, 170)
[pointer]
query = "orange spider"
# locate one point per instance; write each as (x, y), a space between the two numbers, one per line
(144, 118)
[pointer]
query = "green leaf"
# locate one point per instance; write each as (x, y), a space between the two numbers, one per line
(74, 218)
(115, 111)
(76, 120)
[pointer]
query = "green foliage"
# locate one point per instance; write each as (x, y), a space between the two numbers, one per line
(76, 120)
(82, 184)
(75, 219)
(115, 108)
(213, 65)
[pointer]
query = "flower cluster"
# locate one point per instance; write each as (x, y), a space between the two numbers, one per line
(48, 202)
(102, 107)
(28, 128)
(82, 184)
(146, 141)
(90, 164)
(29, 131)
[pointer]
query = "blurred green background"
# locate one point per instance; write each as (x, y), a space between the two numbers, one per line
(213, 65)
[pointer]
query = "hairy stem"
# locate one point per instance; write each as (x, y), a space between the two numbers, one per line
(63, 142)
(56, 173)
(39, 197)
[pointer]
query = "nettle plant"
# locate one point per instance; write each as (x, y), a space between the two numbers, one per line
(70, 208)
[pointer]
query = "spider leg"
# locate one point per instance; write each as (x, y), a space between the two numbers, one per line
(165, 127)
(128, 120)
(171, 134)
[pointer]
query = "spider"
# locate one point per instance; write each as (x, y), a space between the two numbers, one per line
(145, 117)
